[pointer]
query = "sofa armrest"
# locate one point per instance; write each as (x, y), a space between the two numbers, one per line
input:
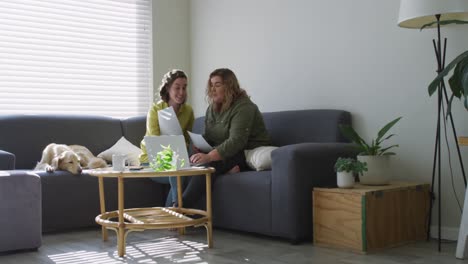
(7, 160)
(296, 170)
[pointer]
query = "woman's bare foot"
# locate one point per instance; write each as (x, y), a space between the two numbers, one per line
(234, 169)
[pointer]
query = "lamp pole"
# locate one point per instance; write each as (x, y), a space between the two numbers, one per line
(441, 92)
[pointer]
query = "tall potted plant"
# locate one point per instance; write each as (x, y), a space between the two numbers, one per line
(373, 154)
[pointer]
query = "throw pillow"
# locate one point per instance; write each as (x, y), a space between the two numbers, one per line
(123, 146)
(259, 158)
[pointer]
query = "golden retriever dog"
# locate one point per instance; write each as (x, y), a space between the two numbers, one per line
(71, 158)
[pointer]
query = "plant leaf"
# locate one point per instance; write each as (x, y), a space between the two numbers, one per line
(435, 83)
(455, 81)
(385, 129)
(443, 23)
(387, 148)
(352, 135)
(389, 136)
(464, 81)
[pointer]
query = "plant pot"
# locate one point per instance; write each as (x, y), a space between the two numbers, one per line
(345, 179)
(378, 168)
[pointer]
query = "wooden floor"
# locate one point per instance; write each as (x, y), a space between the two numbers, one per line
(164, 246)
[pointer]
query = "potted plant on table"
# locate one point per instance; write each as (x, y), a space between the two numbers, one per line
(345, 169)
(166, 160)
(373, 154)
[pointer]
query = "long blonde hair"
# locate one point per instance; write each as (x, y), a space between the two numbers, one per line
(232, 90)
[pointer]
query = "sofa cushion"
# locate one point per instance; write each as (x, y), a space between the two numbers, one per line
(259, 158)
(123, 146)
(299, 126)
(72, 201)
(242, 201)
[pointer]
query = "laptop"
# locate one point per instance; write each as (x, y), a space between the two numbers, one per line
(154, 144)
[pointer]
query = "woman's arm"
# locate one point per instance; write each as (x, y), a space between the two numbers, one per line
(152, 122)
(240, 127)
(188, 125)
(239, 131)
(205, 158)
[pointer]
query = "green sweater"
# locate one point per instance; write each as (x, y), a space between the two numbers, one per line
(238, 128)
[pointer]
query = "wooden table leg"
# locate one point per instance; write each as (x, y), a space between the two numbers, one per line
(209, 211)
(121, 233)
(179, 200)
(179, 191)
(103, 206)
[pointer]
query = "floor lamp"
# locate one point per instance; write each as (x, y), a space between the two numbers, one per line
(415, 14)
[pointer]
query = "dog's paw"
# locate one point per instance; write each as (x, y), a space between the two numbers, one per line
(50, 168)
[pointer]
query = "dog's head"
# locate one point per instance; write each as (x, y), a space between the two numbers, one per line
(69, 161)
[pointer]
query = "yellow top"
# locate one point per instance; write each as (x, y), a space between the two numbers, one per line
(184, 115)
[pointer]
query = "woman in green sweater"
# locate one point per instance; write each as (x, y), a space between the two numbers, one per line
(173, 92)
(233, 124)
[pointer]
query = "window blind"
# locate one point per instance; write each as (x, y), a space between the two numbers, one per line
(75, 57)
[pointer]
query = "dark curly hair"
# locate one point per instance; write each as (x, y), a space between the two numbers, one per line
(167, 80)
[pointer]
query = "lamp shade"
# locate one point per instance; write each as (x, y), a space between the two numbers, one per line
(416, 13)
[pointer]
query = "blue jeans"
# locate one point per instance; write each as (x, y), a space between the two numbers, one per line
(172, 195)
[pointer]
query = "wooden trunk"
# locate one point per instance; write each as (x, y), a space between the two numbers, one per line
(367, 218)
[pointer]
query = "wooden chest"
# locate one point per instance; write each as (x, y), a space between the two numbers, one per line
(367, 218)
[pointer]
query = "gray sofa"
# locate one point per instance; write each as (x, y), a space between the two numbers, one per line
(276, 202)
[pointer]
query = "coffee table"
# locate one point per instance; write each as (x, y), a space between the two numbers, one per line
(123, 221)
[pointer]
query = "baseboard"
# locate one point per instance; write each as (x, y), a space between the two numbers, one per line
(448, 233)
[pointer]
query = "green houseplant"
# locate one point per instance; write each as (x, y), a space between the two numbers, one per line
(374, 154)
(166, 160)
(459, 79)
(374, 148)
(350, 165)
(345, 169)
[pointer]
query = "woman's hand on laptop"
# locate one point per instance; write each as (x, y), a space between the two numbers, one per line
(200, 158)
(196, 150)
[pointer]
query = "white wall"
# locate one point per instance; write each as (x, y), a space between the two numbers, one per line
(336, 54)
(171, 38)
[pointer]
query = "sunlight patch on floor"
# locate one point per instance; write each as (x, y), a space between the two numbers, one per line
(167, 249)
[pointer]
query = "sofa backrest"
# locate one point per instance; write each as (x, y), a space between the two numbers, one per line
(134, 129)
(297, 126)
(27, 135)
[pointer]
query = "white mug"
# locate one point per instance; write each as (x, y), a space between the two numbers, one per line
(118, 162)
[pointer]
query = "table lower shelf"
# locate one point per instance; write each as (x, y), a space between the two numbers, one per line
(154, 218)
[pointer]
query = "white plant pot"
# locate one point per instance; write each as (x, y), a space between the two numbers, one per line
(345, 179)
(378, 170)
